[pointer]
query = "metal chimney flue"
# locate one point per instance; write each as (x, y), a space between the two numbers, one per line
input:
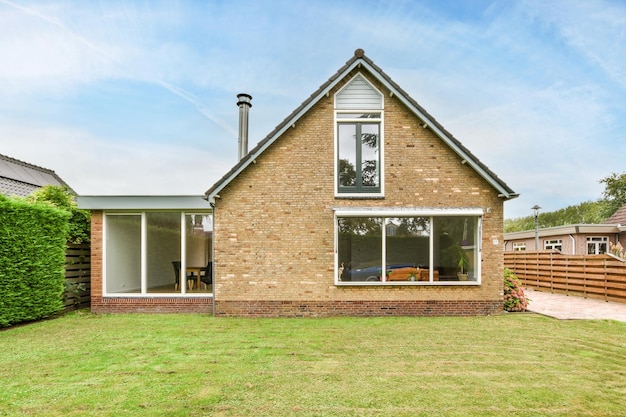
(244, 107)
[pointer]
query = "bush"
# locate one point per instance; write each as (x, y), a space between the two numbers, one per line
(62, 198)
(514, 297)
(32, 259)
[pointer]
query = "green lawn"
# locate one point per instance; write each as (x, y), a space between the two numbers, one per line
(196, 365)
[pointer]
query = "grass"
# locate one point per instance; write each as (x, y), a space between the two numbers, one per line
(196, 365)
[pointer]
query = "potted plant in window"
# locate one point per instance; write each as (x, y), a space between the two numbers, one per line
(456, 255)
(463, 263)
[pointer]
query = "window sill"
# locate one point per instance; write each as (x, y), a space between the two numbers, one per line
(359, 196)
(158, 295)
(406, 283)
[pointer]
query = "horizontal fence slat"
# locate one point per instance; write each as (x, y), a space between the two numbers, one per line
(77, 277)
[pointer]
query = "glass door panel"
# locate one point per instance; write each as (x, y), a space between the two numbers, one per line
(123, 254)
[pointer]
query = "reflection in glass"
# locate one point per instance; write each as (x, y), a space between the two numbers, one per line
(360, 248)
(407, 242)
(359, 162)
(457, 253)
(369, 155)
(347, 155)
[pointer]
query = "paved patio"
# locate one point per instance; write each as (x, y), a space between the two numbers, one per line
(572, 307)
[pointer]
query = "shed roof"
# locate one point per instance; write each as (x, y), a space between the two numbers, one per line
(143, 202)
(364, 63)
(570, 229)
(18, 178)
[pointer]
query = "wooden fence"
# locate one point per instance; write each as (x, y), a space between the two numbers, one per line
(77, 277)
(594, 276)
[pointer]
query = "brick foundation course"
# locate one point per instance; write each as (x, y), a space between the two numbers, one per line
(151, 305)
(254, 308)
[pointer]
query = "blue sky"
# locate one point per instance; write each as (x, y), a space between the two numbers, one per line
(138, 97)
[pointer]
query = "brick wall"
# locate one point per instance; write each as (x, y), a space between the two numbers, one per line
(274, 237)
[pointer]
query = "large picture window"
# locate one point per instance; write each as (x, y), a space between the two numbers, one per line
(157, 253)
(416, 249)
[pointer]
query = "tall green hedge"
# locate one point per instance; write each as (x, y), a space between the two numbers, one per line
(32, 258)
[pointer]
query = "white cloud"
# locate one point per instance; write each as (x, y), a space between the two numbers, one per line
(534, 89)
(98, 166)
(595, 30)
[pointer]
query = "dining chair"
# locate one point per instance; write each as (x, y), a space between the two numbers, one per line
(207, 277)
(190, 276)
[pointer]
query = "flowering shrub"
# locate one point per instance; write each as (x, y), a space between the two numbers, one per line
(514, 298)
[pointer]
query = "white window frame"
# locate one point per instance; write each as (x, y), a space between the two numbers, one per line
(596, 241)
(144, 256)
(553, 244)
(519, 246)
(410, 212)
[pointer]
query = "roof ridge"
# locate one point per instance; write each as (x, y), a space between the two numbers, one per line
(26, 164)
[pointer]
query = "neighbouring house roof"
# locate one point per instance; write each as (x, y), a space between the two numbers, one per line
(619, 217)
(143, 202)
(572, 229)
(18, 178)
(364, 63)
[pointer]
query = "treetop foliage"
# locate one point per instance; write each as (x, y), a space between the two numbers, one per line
(62, 198)
(589, 212)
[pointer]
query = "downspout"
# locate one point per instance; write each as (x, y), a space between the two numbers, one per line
(573, 244)
(213, 254)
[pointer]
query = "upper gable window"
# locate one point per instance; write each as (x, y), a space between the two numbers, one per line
(359, 116)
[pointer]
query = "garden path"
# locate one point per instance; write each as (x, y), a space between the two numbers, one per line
(568, 307)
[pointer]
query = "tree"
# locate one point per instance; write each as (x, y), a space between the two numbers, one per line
(614, 195)
(588, 212)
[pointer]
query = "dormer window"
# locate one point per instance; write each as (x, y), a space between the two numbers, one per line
(359, 116)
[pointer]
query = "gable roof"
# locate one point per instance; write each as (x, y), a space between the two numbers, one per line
(18, 178)
(362, 62)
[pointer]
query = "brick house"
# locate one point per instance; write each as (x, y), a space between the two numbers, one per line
(358, 180)
(358, 203)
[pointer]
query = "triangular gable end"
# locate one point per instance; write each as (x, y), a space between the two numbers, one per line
(359, 94)
(361, 61)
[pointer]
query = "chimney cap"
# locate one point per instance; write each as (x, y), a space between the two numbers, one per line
(244, 99)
